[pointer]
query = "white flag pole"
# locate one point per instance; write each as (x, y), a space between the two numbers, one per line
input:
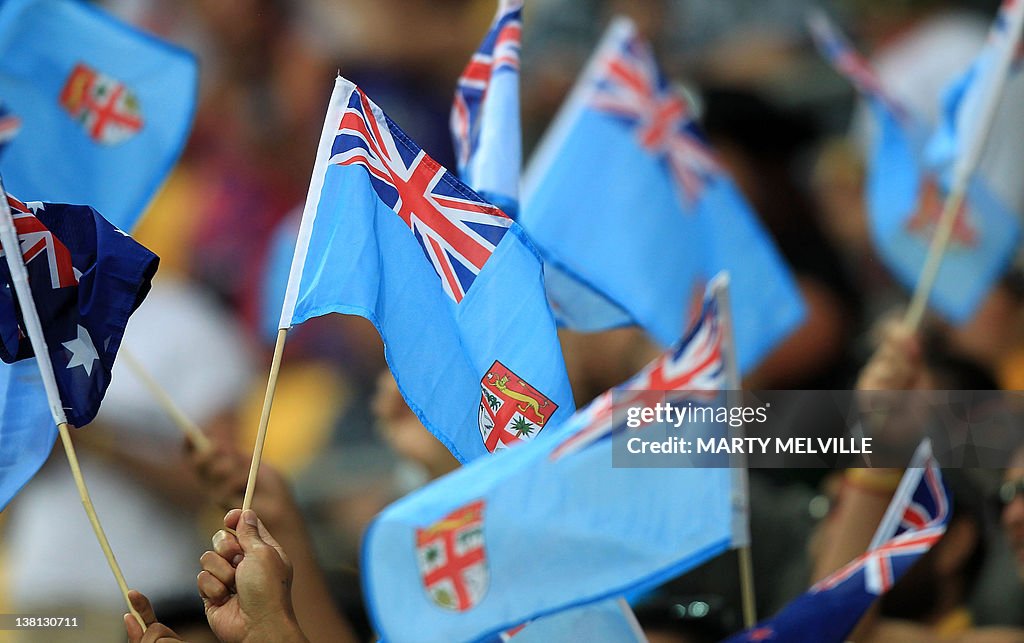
(34, 328)
(963, 171)
(719, 287)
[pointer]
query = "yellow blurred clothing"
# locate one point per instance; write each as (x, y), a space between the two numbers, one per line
(310, 397)
(956, 622)
(1011, 371)
(167, 225)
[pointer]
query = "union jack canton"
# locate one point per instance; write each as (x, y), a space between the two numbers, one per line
(456, 229)
(692, 369)
(916, 519)
(498, 53)
(628, 85)
(37, 241)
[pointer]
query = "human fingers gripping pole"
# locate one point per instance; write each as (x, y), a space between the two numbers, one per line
(251, 532)
(33, 326)
(248, 532)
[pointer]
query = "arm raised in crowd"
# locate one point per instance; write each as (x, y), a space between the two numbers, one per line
(865, 493)
(246, 587)
(224, 474)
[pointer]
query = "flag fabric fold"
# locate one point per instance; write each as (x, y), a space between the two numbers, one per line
(904, 191)
(86, 277)
(452, 283)
(915, 520)
(27, 431)
(104, 108)
(552, 525)
(625, 196)
(486, 132)
(607, 621)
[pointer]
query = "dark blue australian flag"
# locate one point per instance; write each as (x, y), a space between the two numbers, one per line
(86, 277)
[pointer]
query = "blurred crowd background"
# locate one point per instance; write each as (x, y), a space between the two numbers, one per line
(781, 120)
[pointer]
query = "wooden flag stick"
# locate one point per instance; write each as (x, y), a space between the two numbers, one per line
(963, 171)
(19, 277)
(97, 528)
(747, 587)
(173, 411)
(936, 251)
(320, 165)
(261, 433)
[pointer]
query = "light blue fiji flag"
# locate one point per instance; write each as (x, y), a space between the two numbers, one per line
(607, 621)
(964, 101)
(104, 108)
(452, 284)
(487, 136)
(552, 525)
(9, 126)
(904, 195)
(27, 431)
(625, 197)
(485, 112)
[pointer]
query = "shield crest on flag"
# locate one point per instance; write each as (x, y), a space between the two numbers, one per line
(511, 410)
(105, 107)
(452, 560)
(926, 220)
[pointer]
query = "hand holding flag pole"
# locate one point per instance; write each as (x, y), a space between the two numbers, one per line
(965, 166)
(19, 277)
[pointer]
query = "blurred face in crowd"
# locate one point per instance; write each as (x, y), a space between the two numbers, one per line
(1012, 498)
(404, 433)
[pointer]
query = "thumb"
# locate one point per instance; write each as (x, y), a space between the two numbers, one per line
(253, 534)
(249, 532)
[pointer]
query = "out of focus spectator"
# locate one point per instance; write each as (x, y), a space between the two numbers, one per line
(133, 462)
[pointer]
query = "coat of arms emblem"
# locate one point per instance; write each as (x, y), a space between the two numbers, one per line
(105, 108)
(451, 557)
(510, 409)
